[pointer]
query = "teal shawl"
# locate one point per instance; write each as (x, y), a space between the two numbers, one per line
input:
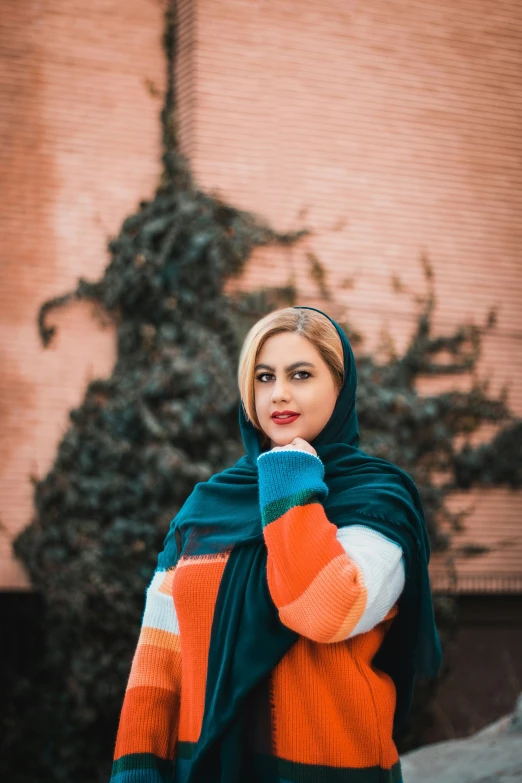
(247, 638)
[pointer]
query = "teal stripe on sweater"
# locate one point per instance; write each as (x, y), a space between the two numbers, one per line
(263, 768)
(286, 474)
(277, 508)
(270, 768)
(140, 767)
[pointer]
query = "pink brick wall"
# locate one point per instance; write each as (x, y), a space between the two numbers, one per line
(394, 128)
(79, 147)
(390, 129)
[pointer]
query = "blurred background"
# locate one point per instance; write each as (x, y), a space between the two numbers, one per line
(170, 172)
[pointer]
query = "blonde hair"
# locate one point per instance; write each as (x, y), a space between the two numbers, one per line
(310, 324)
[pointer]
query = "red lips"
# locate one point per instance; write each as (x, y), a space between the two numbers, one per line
(288, 417)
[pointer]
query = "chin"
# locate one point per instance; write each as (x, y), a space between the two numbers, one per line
(284, 438)
(283, 441)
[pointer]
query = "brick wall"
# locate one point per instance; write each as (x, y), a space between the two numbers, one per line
(390, 129)
(79, 147)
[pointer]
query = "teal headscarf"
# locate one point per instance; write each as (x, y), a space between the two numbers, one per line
(247, 638)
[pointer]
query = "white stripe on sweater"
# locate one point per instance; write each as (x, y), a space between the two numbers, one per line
(382, 564)
(159, 607)
(379, 558)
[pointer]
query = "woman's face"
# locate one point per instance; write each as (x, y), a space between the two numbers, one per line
(291, 375)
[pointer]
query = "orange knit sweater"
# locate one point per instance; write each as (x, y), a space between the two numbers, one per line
(330, 711)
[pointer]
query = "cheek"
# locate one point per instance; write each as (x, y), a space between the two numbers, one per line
(320, 405)
(261, 399)
(313, 399)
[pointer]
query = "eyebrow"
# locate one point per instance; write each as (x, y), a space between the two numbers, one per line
(287, 368)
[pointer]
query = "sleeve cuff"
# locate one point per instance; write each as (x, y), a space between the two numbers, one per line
(286, 479)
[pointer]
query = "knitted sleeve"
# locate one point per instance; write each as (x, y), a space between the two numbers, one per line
(327, 583)
(148, 726)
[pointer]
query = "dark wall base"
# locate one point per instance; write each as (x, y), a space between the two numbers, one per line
(486, 667)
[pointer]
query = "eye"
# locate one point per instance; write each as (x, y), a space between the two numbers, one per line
(297, 372)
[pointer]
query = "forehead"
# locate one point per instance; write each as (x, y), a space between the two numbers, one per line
(285, 345)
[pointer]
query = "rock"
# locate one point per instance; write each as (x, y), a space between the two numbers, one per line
(516, 719)
(492, 755)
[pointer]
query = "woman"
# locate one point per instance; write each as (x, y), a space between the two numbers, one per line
(290, 610)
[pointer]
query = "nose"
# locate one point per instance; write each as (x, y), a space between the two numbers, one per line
(280, 391)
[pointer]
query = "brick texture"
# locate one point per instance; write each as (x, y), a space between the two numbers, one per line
(390, 129)
(79, 147)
